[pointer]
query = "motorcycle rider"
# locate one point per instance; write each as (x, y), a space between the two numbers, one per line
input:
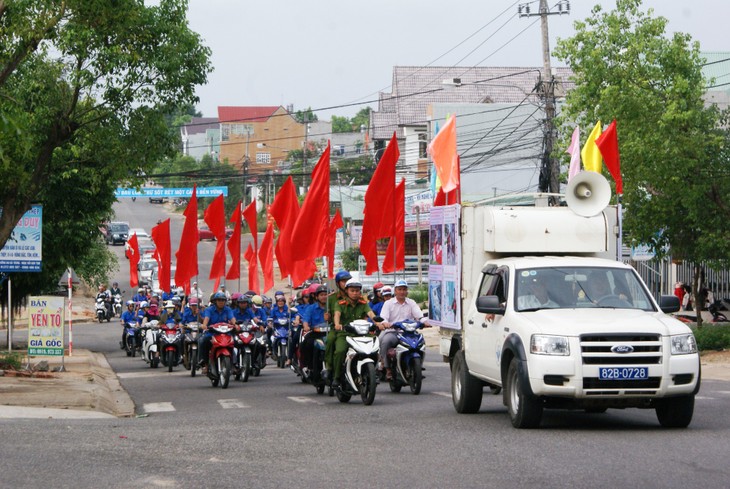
(140, 296)
(258, 309)
(399, 308)
(191, 314)
(115, 290)
(107, 298)
(337, 295)
(128, 316)
(377, 302)
(347, 310)
(219, 312)
(316, 314)
(268, 304)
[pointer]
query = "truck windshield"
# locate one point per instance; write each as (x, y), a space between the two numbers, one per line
(577, 287)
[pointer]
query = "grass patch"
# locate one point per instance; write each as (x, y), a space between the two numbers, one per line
(11, 361)
(713, 337)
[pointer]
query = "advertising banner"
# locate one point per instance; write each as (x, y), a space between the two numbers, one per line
(184, 192)
(444, 277)
(22, 251)
(46, 326)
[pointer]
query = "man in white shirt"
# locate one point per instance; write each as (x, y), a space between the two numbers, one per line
(397, 309)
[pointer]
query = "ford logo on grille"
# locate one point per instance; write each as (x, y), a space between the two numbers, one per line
(622, 349)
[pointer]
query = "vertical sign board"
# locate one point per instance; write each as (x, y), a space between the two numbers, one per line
(45, 326)
(444, 277)
(22, 251)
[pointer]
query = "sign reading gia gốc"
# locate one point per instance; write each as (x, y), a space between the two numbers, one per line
(184, 192)
(22, 251)
(45, 326)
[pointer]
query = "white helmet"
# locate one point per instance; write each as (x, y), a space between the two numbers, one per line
(353, 282)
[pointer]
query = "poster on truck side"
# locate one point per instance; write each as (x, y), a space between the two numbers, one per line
(444, 279)
(46, 326)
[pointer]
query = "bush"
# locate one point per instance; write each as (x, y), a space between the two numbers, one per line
(10, 361)
(713, 337)
(418, 293)
(349, 258)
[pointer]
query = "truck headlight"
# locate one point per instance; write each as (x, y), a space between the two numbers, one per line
(549, 345)
(683, 344)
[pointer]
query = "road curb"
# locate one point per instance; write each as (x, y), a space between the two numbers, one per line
(114, 399)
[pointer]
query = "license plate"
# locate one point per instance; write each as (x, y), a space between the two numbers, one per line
(623, 373)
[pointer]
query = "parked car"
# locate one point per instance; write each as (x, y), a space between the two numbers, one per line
(145, 267)
(141, 233)
(158, 200)
(205, 233)
(116, 232)
(155, 279)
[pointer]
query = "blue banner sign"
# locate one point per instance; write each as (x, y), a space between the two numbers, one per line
(171, 192)
(22, 251)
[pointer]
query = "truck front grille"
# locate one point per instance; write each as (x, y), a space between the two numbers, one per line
(596, 349)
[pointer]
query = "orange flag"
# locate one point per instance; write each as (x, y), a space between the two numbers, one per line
(443, 152)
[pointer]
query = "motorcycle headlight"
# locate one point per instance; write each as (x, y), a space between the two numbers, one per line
(549, 345)
(683, 344)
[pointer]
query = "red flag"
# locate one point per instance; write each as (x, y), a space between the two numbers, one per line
(453, 197)
(302, 270)
(234, 245)
(313, 219)
(266, 257)
(253, 272)
(250, 214)
(133, 254)
(397, 245)
(187, 253)
(285, 210)
(608, 145)
(378, 220)
(215, 218)
(335, 224)
(443, 152)
(161, 237)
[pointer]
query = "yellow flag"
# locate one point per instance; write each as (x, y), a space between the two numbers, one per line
(590, 153)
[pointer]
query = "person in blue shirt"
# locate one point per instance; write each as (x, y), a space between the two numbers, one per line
(259, 311)
(217, 313)
(315, 315)
(128, 316)
(140, 296)
(280, 310)
(267, 305)
(385, 293)
(192, 314)
(167, 296)
(243, 312)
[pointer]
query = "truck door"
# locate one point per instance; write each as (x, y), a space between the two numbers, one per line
(483, 335)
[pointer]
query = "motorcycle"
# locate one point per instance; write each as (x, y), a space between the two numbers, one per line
(359, 366)
(117, 305)
(245, 341)
(314, 376)
(279, 340)
(102, 313)
(170, 340)
(406, 358)
(130, 339)
(190, 347)
(149, 343)
(221, 355)
(716, 307)
(261, 341)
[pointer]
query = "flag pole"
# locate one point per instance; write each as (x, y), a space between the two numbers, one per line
(619, 244)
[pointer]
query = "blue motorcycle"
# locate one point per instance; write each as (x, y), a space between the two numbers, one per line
(407, 357)
(279, 340)
(130, 338)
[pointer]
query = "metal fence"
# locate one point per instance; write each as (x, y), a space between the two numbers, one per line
(661, 275)
(410, 274)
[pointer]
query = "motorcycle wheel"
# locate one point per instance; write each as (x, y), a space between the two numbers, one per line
(281, 356)
(101, 318)
(170, 359)
(320, 389)
(394, 385)
(225, 373)
(330, 391)
(416, 376)
(342, 397)
(155, 362)
(368, 384)
(193, 363)
(246, 368)
(186, 359)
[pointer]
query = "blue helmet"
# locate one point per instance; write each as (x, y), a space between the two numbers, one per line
(219, 295)
(342, 275)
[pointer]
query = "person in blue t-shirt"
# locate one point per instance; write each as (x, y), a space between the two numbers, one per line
(385, 294)
(258, 309)
(217, 313)
(315, 315)
(192, 313)
(128, 316)
(267, 305)
(243, 312)
(140, 296)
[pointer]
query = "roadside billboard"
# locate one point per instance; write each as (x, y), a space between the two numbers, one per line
(23, 250)
(46, 326)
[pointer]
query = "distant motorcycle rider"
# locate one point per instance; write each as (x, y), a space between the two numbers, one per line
(128, 316)
(214, 314)
(315, 315)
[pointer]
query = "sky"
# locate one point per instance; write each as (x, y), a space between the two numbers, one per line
(338, 54)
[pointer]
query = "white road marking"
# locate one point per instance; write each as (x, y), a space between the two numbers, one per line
(152, 373)
(232, 404)
(723, 392)
(444, 394)
(306, 400)
(158, 407)
(704, 398)
(436, 364)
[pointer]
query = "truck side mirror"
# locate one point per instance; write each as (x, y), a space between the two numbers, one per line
(669, 303)
(489, 304)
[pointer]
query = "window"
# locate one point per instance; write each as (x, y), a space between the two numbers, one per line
(263, 158)
(422, 145)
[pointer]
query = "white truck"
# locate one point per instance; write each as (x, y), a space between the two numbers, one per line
(550, 319)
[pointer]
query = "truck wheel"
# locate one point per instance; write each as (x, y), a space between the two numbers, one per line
(675, 412)
(525, 410)
(466, 390)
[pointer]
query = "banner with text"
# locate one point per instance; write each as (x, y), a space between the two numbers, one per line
(46, 326)
(444, 277)
(184, 192)
(23, 250)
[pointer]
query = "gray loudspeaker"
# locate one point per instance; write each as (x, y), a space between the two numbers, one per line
(588, 193)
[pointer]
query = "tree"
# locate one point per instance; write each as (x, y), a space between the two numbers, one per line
(307, 115)
(673, 156)
(341, 124)
(362, 118)
(84, 90)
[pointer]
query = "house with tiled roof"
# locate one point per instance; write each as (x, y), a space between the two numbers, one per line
(261, 135)
(199, 137)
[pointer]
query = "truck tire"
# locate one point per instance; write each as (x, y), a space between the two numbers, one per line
(675, 412)
(525, 410)
(466, 390)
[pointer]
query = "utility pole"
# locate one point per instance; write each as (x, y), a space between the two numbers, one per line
(550, 170)
(304, 153)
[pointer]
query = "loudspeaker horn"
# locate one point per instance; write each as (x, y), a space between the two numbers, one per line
(588, 193)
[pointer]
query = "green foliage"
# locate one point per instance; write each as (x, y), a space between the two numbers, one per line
(341, 124)
(362, 118)
(674, 157)
(713, 337)
(344, 124)
(419, 293)
(350, 258)
(10, 361)
(307, 115)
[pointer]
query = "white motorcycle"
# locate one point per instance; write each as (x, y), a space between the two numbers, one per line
(360, 361)
(101, 311)
(117, 305)
(149, 343)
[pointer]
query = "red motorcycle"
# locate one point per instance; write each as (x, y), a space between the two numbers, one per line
(245, 341)
(170, 339)
(220, 358)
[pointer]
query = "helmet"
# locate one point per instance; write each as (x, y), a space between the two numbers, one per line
(267, 299)
(235, 296)
(386, 291)
(219, 296)
(193, 301)
(115, 284)
(342, 275)
(169, 305)
(130, 303)
(176, 300)
(320, 289)
(153, 301)
(353, 283)
(250, 293)
(257, 300)
(143, 304)
(312, 289)
(243, 298)
(400, 283)
(278, 293)
(378, 286)
(140, 290)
